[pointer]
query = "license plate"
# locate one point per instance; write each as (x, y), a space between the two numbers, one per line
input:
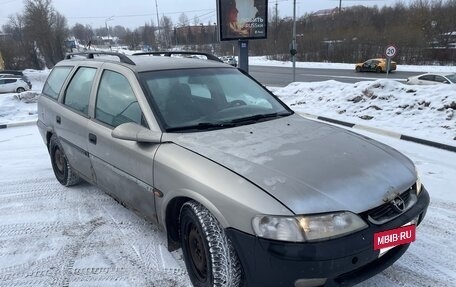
(389, 239)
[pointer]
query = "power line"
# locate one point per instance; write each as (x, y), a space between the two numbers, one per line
(139, 15)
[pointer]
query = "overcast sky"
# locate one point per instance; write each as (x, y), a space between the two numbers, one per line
(134, 13)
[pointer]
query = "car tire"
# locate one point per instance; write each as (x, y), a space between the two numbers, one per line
(358, 69)
(378, 69)
(209, 255)
(20, 90)
(62, 169)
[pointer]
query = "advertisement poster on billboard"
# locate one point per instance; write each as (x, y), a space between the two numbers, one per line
(242, 19)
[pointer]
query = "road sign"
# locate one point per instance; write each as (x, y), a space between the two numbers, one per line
(391, 51)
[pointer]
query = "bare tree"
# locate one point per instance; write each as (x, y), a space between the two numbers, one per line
(183, 20)
(166, 25)
(47, 28)
(19, 51)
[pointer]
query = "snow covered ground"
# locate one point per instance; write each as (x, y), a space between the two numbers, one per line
(56, 236)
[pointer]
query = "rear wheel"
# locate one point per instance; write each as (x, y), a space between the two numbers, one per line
(62, 169)
(209, 255)
(20, 90)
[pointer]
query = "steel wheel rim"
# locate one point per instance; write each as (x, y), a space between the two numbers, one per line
(59, 161)
(197, 252)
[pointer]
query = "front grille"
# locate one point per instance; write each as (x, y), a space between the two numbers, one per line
(387, 211)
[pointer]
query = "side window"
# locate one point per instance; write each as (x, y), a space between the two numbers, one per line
(427, 78)
(116, 101)
(55, 81)
(10, 81)
(440, 79)
(78, 92)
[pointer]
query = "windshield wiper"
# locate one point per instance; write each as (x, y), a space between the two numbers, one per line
(202, 126)
(258, 117)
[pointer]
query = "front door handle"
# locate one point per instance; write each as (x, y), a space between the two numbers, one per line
(58, 120)
(93, 139)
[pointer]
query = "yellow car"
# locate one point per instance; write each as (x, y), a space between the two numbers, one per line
(378, 65)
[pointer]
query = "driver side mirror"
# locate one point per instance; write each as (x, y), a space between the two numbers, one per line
(134, 132)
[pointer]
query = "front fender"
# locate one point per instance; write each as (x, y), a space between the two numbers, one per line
(232, 199)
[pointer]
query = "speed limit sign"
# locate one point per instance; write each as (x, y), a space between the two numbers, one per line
(391, 51)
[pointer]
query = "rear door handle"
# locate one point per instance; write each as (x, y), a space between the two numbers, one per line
(58, 120)
(93, 139)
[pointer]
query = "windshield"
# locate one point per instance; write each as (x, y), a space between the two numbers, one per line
(196, 99)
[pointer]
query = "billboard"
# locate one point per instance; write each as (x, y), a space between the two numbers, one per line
(242, 19)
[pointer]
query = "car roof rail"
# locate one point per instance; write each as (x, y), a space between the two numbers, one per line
(169, 53)
(90, 55)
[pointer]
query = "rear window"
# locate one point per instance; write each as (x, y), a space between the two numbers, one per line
(55, 81)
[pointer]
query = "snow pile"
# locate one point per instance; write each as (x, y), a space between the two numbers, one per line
(421, 111)
(13, 109)
(28, 97)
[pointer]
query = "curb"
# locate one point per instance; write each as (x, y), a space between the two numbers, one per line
(19, 124)
(382, 132)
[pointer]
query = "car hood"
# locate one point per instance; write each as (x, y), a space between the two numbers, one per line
(310, 167)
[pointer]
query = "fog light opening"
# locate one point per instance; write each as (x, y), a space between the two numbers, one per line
(355, 260)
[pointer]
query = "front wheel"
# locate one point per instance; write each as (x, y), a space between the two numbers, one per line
(358, 69)
(379, 69)
(62, 169)
(209, 255)
(20, 90)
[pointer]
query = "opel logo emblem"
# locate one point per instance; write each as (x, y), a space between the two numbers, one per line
(398, 204)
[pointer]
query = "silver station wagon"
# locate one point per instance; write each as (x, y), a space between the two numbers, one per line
(254, 194)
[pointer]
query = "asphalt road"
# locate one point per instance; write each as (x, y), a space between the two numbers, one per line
(280, 76)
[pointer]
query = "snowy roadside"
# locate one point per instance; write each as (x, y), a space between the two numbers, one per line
(16, 108)
(263, 61)
(427, 112)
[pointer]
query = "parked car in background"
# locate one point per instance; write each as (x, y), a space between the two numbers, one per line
(230, 60)
(11, 84)
(254, 194)
(378, 65)
(17, 76)
(11, 72)
(433, 79)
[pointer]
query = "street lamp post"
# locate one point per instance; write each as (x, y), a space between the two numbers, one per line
(106, 25)
(293, 43)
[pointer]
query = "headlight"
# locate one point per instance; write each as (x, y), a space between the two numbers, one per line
(326, 226)
(307, 228)
(278, 228)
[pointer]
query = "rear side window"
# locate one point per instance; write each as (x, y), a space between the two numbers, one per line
(116, 101)
(55, 81)
(427, 78)
(78, 92)
(10, 81)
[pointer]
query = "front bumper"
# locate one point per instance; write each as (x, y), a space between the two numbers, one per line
(344, 261)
